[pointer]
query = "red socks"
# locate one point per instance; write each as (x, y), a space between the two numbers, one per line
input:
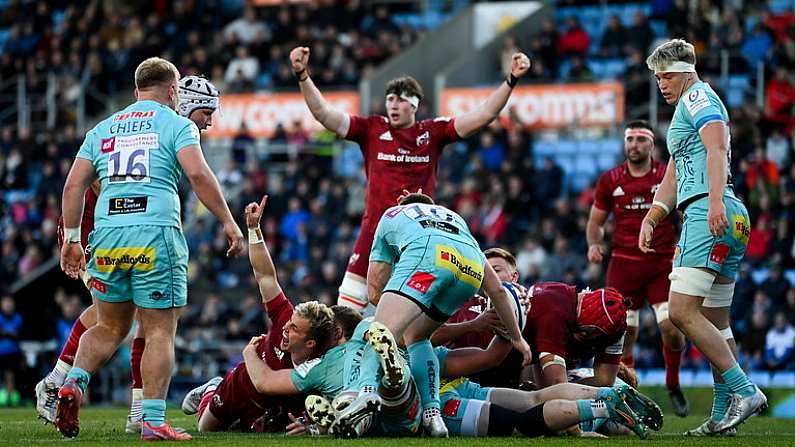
(136, 353)
(70, 348)
(673, 359)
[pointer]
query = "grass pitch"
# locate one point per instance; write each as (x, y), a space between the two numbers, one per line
(105, 427)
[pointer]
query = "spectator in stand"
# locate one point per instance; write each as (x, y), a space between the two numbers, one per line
(777, 148)
(780, 95)
(247, 28)
(575, 40)
(753, 342)
(614, 39)
(10, 354)
(241, 71)
(757, 45)
(640, 35)
(491, 151)
(779, 344)
(509, 46)
(579, 70)
(775, 286)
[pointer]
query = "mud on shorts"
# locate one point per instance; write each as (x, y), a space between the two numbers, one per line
(438, 274)
(698, 248)
(145, 264)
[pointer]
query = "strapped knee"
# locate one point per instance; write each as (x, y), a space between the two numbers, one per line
(661, 312)
(691, 281)
(720, 295)
(353, 294)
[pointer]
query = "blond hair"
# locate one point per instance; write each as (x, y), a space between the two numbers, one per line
(674, 50)
(322, 327)
(154, 72)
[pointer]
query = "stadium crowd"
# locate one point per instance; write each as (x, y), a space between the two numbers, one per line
(493, 180)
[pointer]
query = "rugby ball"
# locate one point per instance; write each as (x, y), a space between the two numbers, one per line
(519, 309)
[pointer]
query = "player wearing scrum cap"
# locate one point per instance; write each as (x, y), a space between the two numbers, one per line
(627, 191)
(715, 230)
(399, 151)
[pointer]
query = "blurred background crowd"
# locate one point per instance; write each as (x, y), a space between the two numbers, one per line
(509, 182)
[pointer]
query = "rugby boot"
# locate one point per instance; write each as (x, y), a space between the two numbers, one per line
(647, 410)
(163, 433)
(190, 404)
(622, 413)
(67, 412)
(46, 400)
(355, 419)
(385, 346)
(433, 423)
(709, 428)
(741, 408)
(678, 401)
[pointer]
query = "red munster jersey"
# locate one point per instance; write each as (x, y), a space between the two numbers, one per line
(629, 198)
(398, 159)
(552, 322)
(468, 312)
(86, 222)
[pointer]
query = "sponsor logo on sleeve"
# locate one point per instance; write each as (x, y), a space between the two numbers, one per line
(466, 270)
(125, 258)
(696, 100)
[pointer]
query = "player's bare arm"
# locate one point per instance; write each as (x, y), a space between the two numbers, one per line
(378, 274)
(595, 234)
(487, 320)
(463, 362)
(258, 254)
(715, 138)
(208, 191)
(471, 122)
(264, 379)
(493, 288)
(664, 202)
(80, 176)
(332, 119)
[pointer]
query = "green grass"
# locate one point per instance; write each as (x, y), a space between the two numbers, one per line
(105, 426)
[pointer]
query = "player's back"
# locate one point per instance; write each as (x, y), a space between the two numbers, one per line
(403, 224)
(134, 153)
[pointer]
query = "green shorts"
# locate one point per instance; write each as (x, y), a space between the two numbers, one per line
(145, 264)
(461, 401)
(438, 274)
(698, 248)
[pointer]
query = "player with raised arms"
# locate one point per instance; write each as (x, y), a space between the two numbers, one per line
(399, 151)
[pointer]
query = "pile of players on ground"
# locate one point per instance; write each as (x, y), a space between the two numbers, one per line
(322, 353)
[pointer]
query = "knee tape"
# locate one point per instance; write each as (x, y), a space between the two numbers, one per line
(353, 294)
(726, 333)
(633, 318)
(691, 281)
(720, 295)
(661, 312)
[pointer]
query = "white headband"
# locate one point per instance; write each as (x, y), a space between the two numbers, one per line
(411, 99)
(676, 67)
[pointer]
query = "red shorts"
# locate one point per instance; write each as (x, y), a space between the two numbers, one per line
(639, 280)
(236, 398)
(360, 258)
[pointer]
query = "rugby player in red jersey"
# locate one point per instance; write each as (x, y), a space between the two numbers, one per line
(296, 335)
(399, 151)
(627, 191)
(565, 327)
(198, 101)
